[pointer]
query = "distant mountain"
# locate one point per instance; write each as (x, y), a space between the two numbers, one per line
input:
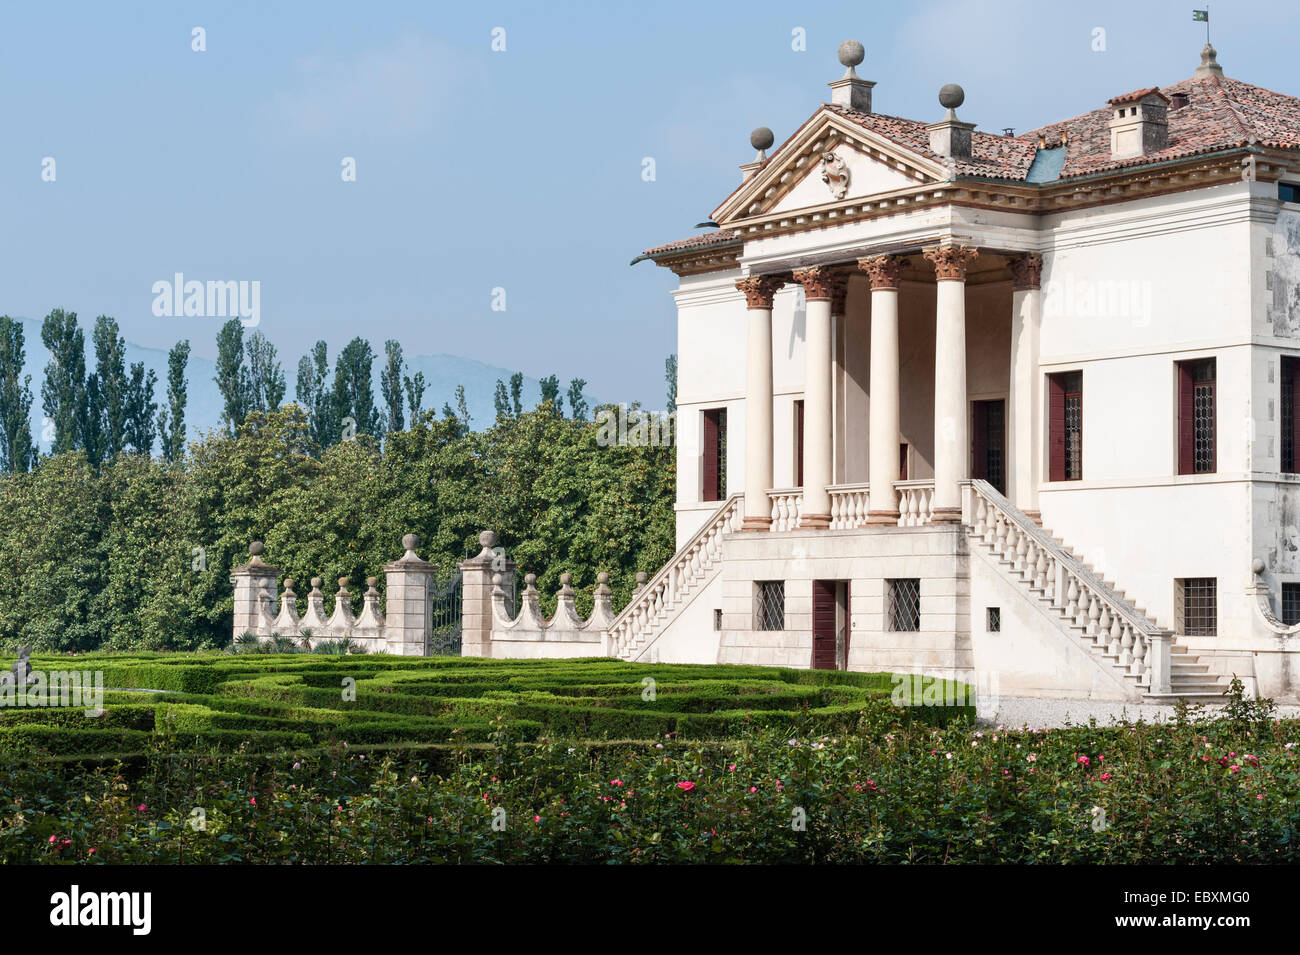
(203, 407)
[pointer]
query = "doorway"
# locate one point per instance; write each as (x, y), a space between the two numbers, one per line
(989, 442)
(830, 625)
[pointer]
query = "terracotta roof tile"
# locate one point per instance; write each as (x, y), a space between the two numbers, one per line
(701, 241)
(1137, 95)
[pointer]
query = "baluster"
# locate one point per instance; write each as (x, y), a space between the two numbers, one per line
(1085, 602)
(1141, 647)
(1103, 626)
(1126, 647)
(1049, 579)
(1094, 616)
(1022, 551)
(1116, 635)
(1040, 567)
(1072, 598)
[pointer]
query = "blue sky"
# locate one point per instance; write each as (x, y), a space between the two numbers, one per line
(478, 169)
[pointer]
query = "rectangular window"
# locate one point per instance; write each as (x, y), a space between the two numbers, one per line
(902, 462)
(1288, 192)
(994, 622)
(715, 455)
(1196, 453)
(717, 619)
(988, 442)
(904, 604)
(769, 605)
(1290, 381)
(1291, 604)
(798, 444)
(1065, 426)
(1198, 606)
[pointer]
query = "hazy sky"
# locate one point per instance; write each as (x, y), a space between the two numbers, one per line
(477, 169)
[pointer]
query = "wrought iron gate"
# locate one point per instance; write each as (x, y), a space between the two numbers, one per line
(442, 627)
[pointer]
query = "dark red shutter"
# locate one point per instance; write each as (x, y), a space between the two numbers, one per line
(823, 625)
(798, 443)
(1056, 428)
(979, 440)
(848, 621)
(1186, 420)
(709, 492)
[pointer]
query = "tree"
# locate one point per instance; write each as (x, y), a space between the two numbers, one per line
(113, 384)
(462, 406)
(17, 450)
(63, 393)
(390, 384)
(141, 425)
(92, 422)
(232, 375)
(551, 392)
(670, 374)
(353, 394)
(266, 382)
(312, 394)
(415, 394)
(501, 400)
(577, 403)
(517, 393)
(171, 420)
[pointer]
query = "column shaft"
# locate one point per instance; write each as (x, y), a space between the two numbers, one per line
(883, 440)
(759, 291)
(1025, 397)
(951, 426)
(818, 286)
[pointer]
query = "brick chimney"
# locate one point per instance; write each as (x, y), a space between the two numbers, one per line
(1139, 124)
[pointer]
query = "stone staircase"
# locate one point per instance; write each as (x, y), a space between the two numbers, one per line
(655, 605)
(1119, 634)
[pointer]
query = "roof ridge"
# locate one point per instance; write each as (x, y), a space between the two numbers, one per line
(1247, 131)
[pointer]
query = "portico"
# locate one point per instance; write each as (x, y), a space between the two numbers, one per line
(936, 278)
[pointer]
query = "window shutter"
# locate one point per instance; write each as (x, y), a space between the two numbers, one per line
(1186, 420)
(1056, 428)
(798, 444)
(709, 492)
(979, 467)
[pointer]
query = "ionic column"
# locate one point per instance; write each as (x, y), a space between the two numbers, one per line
(819, 288)
(951, 428)
(759, 291)
(882, 464)
(1024, 433)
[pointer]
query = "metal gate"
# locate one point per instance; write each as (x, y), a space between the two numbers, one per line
(442, 628)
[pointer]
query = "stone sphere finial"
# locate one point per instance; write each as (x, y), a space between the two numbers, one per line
(255, 549)
(315, 583)
(530, 579)
(566, 579)
(371, 581)
(951, 96)
(1257, 566)
(762, 138)
(602, 578)
(343, 583)
(288, 583)
(487, 539)
(852, 53)
(409, 541)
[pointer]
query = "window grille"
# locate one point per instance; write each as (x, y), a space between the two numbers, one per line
(1291, 604)
(994, 620)
(905, 604)
(769, 605)
(1198, 606)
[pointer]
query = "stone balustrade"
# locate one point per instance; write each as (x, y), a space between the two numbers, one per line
(851, 505)
(403, 630)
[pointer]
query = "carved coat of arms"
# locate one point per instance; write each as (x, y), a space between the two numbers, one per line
(835, 173)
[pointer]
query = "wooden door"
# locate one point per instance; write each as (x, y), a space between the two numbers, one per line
(823, 625)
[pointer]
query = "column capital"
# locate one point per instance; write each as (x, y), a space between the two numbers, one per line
(950, 261)
(884, 271)
(818, 282)
(1026, 271)
(760, 289)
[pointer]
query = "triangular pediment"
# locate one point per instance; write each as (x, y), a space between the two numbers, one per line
(829, 161)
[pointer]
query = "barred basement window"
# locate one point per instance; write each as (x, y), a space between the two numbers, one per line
(769, 605)
(1291, 604)
(1198, 606)
(717, 619)
(994, 624)
(904, 604)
